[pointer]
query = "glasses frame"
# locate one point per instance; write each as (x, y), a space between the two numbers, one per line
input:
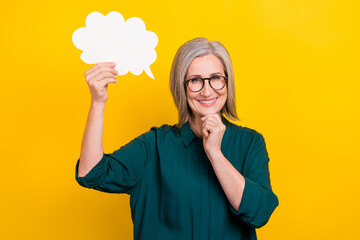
(186, 82)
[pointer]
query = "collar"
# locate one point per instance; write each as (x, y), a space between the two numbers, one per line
(188, 135)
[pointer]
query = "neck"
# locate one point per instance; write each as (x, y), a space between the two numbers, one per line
(196, 126)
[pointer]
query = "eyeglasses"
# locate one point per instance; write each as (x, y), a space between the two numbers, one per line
(197, 84)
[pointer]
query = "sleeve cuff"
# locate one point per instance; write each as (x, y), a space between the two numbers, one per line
(96, 175)
(249, 199)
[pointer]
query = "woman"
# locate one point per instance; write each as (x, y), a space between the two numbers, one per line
(203, 178)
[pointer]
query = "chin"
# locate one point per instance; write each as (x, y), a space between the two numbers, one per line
(208, 111)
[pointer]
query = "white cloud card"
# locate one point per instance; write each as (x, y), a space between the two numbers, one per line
(112, 39)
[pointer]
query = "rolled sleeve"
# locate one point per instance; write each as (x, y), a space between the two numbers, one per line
(258, 201)
(122, 170)
(257, 205)
(95, 177)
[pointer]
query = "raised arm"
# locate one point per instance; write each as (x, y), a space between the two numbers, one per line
(97, 79)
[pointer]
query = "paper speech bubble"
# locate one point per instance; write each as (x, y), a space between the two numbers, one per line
(112, 39)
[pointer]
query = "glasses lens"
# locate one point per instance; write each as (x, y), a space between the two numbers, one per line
(217, 82)
(195, 84)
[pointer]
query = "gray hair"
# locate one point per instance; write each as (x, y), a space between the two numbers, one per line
(198, 47)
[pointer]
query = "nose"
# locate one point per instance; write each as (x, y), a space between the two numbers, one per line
(207, 90)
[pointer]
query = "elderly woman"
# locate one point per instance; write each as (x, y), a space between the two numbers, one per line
(203, 178)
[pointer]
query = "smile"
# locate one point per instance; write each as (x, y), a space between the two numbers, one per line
(207, 102)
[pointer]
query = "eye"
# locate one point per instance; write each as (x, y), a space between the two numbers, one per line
(215, 77)
(195, 80)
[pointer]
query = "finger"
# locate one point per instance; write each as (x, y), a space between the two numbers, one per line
(100, 75)
(105, 65)
(216, 120)
(205, 132)
(102, 71)
(106, 81)
(101, 84)
(205, 117)
(98, 69)
(106, 68)
(209, 129)
(96, 65)
(212, 125)
(211, 121)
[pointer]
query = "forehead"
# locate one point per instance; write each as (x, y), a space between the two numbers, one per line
(205, 65)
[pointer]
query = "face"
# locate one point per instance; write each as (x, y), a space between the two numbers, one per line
(207, 101)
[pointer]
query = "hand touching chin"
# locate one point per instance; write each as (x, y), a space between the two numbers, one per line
(213, 131)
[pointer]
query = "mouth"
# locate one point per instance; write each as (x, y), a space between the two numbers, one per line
(207, 102)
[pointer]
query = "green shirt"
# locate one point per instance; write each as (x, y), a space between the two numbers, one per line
(174, 191)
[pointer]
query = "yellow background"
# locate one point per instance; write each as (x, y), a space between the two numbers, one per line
(297, 81)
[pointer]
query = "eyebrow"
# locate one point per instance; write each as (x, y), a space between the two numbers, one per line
(216, 73)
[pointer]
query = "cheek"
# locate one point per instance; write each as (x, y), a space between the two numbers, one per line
(224, 97)
(190, 96)
(223, 93)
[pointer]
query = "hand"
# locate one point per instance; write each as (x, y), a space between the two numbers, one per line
(213, 131)
(98, 77)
